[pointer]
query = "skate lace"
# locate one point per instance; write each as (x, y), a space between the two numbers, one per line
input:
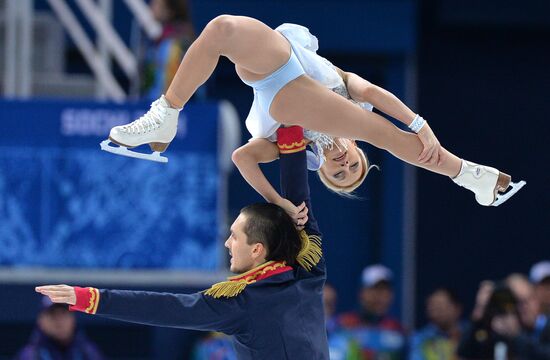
(150, 121)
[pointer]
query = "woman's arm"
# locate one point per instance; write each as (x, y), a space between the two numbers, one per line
(247, 159)
(362, 90)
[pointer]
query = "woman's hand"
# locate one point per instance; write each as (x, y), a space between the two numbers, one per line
(62, 294)
(432, 153)
(297, 213)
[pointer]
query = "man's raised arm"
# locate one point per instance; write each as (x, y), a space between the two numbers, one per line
(293, 168)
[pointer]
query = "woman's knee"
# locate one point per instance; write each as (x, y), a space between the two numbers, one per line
(223, 26)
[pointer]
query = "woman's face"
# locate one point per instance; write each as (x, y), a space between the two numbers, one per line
(160, 11)
(342, 167)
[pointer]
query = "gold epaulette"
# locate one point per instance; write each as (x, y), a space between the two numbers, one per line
(311, 252)
(236, 284)
(226, 289)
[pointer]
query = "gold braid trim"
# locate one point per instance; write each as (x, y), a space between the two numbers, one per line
(292, 151)
(292, 148)
(236, 284)
(94, 301)
(226, 289)
(311, 252)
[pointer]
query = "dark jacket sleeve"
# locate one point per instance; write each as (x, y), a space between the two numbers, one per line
(189, 311)
(293, 173)
(528, 348)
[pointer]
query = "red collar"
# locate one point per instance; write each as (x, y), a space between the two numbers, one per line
(261, 272)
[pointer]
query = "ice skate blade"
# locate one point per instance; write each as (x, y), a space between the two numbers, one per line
(121, 150)
(502, 198)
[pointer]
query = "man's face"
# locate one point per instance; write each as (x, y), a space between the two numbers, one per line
(527, 303)
(442, 311)
(542, 293)
(160, 11)
(58, 323)
(244, 257)
(377, 299)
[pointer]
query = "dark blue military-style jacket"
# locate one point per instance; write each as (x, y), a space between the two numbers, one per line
(278, 312)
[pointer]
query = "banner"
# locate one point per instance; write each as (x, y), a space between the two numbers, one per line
(64, 203)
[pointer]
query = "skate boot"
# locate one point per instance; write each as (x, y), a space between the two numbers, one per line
(157, 128)
(488, 184)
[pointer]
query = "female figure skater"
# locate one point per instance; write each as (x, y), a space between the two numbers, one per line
(290, 87)
(341, 165)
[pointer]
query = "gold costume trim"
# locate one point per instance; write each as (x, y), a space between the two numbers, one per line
(311, 252)
(94, 301)
(308, 257)
(292, 148)
(236, 284)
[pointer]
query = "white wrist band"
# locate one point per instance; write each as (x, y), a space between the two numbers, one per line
(417, 123)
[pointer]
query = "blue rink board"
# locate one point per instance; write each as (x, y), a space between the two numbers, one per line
(64, 203)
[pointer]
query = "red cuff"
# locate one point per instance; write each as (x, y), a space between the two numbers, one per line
(290, 139)
(87, 300)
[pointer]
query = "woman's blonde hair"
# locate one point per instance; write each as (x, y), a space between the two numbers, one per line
(348, 190)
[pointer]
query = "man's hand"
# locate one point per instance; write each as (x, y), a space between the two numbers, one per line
(297, 213)
(431, 154)
(62, 294)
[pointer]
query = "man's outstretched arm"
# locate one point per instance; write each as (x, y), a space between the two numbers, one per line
(188, 311)
(294, 173)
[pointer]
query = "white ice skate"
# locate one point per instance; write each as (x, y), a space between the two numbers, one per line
(157, 128)
(488, 184)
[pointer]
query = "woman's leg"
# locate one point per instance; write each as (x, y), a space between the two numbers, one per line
(255, 48)
(306, 103)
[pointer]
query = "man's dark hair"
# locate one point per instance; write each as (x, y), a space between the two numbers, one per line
(270, 225)
(450, 293)
(501, 301)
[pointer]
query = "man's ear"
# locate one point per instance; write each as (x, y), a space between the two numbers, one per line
(258, 250)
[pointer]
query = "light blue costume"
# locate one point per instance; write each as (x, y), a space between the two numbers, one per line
(266, 89)
(303, 61)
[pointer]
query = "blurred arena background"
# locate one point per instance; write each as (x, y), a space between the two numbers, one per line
(70, 213)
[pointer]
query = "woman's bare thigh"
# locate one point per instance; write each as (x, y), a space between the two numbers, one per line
(255, 48)
(307, 103)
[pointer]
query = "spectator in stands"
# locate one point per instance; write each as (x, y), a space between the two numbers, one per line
(56, 337)
(372, 333)
(329, 302)
(480, 339)
(484, 292)
(162, 58)
(215, 346)
(439, 339)
(501, 327)
(375, 299)
(540, 276)
(525, 294)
